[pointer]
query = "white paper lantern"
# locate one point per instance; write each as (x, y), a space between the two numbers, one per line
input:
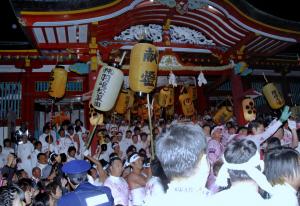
(107, 88)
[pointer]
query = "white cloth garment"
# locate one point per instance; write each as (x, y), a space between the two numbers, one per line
(24, 153)
(153, 188)
(63, 145)
(119, 189)
(137, 196)
(243, 193)
(284, 195)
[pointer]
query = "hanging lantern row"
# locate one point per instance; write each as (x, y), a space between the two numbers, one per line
(195, 60)
(44, 58)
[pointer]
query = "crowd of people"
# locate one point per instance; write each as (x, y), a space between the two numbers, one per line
(195, 163)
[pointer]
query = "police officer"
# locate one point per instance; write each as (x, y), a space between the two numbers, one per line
(84, 194)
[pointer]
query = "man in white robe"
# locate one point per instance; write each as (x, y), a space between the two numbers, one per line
(25, 151)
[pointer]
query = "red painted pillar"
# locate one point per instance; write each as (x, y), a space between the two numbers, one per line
(202, 100)
(92, 77)
(237, 92)
(27, 104)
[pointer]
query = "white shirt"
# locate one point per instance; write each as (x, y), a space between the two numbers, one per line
(119, 189)
(7, 150)
(63, 144)
(3, 160)
(24, 153)
(154, 188)
(178, 195)
(243, 193)
(34, 158)
(284, 195)
(125, 143)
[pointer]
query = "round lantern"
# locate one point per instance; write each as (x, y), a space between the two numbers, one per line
(122, 102)
(187, 104)
(223, 114)
(163, 96)
(58, 82)
(249, 109)
(273, 96)
(143, 67)
(107, 88)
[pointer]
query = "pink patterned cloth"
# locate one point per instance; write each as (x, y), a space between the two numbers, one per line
(211, 183)
(119, 189)
(287, 137)
(214, 151)
(153, 188)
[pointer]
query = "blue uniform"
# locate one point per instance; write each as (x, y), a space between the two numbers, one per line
(87, 194)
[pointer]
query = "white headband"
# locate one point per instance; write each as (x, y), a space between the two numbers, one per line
(250, 168)
(132, 159)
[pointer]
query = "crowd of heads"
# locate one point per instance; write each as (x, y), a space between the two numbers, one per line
(200, 151)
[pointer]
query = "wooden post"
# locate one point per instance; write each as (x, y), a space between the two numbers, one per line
(237, 91)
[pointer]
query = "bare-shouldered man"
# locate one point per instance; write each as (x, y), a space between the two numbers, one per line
(136, 180)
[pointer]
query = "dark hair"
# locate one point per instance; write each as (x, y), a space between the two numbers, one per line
(52, 157)
(77, 128)
(48, 137)
(78, 120)
(19, 173)
(71, 148)
(136, 129)
(241, 128)
(159, 172)
(52, 186)
(60, 130)
(63, 157)
(40, 154)
(131, 148)
(65, 123)
(46, 127)
(142, 152)
(237, 152)
(9, 193)
(70, 127)
(254, 124)
(42, 199)
(179, 149)
(36, 144)
(272, 143)
(6, 141)
(36, 168)
(282, 162)
(25, 184)
(112, 157)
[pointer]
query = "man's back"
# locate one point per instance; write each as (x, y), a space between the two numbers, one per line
(241, 194)
(87, 194)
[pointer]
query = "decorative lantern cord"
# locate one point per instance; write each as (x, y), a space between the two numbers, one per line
(201, 79)
(265, 77)
(122, 58)
(51, 116)
(150, 126)
(172, 79)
